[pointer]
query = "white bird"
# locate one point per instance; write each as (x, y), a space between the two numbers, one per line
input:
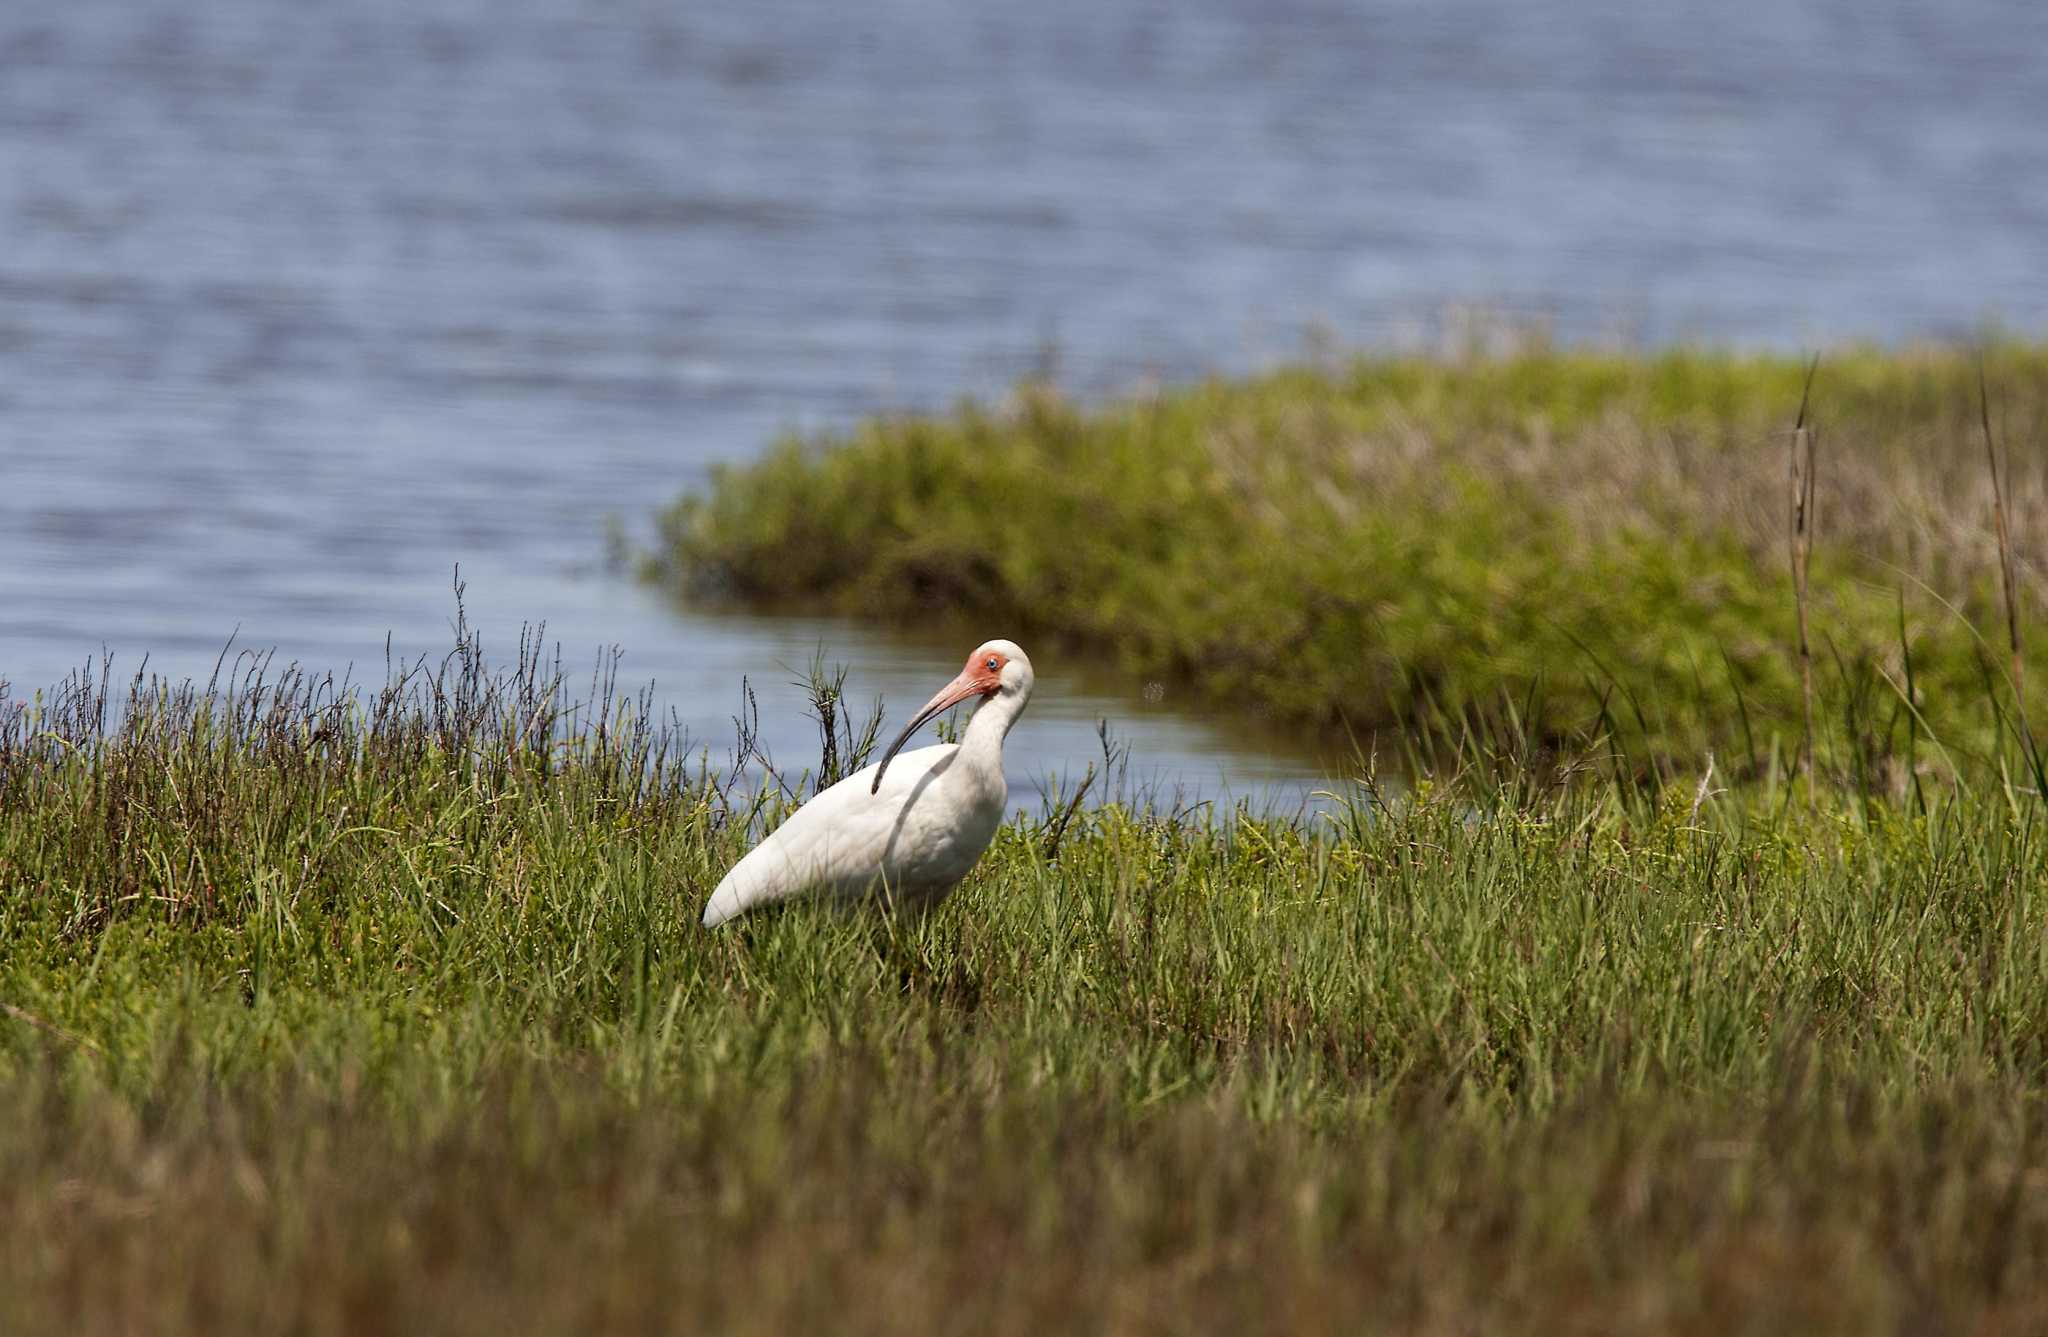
(908, 832)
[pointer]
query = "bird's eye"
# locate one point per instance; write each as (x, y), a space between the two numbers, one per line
(991, 663)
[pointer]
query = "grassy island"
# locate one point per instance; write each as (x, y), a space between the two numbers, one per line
(1586, 545)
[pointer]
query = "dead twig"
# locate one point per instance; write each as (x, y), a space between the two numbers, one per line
(51, 1027)
(1051, 848)
(1699, 795)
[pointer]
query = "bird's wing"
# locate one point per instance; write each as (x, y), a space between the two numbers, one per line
(836, 841)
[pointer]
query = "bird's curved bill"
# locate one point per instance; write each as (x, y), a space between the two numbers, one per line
(952, 694)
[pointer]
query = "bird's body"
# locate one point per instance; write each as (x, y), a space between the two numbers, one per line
(908, 828)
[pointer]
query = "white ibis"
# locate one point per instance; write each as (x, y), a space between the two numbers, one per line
(908, 831)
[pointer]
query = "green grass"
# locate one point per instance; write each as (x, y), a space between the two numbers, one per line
(1392, 543)
(390, 1014)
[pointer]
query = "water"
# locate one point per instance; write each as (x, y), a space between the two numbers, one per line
(302, 305)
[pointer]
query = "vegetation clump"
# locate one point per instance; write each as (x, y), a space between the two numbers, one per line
(1396, 542)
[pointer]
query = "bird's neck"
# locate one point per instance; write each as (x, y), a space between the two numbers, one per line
(981, 743)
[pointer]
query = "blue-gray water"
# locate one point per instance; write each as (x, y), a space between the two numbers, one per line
(301, 305)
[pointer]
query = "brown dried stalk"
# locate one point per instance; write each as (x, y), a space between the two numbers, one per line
(1803, 442)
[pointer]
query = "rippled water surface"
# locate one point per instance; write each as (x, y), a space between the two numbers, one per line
(302, 305)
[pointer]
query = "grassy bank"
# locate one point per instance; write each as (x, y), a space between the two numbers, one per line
(369, 1015)
(1598, 540)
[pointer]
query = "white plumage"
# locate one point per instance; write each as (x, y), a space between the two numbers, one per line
(907, 828)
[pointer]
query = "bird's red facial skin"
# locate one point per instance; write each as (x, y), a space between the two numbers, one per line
(985, 671)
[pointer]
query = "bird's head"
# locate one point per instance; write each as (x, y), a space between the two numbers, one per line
(1001, 668)
(996, 668)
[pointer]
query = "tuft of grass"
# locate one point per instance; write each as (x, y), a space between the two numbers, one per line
(362, 1012)
(1397, 542)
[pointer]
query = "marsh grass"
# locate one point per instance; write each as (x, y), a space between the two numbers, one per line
(373, 1011)
(1389, 545)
